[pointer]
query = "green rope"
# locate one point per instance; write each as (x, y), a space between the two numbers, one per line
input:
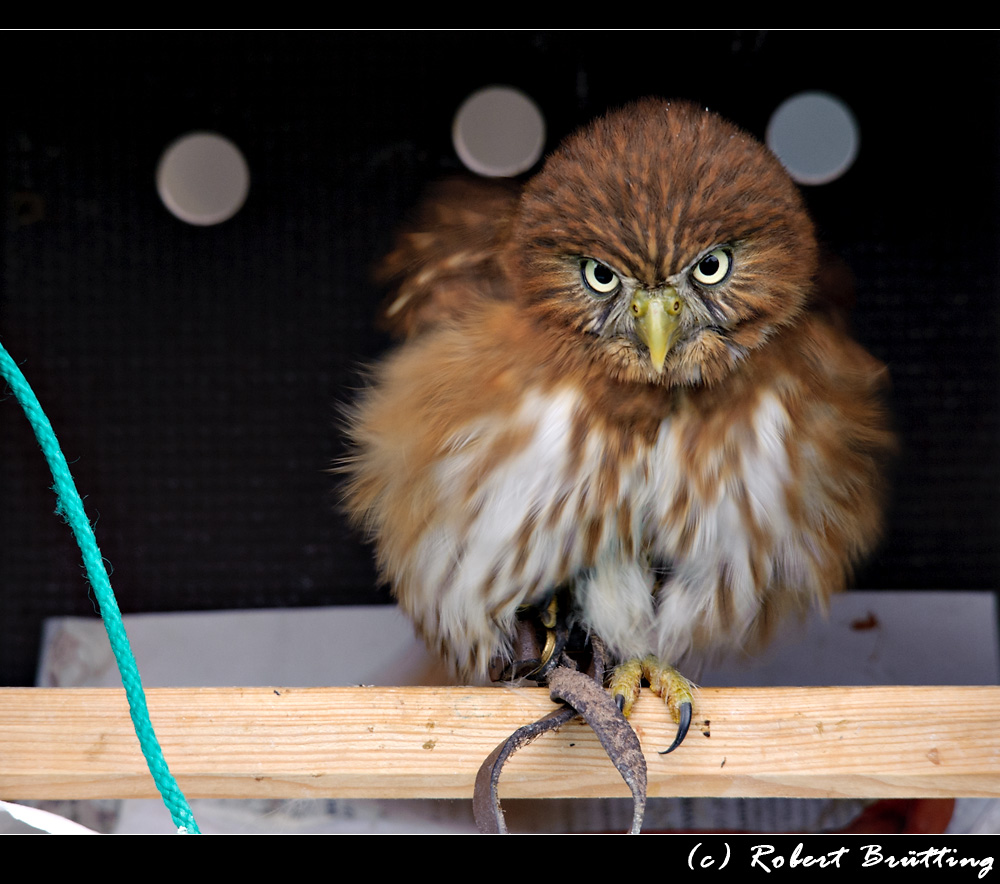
(70, 507)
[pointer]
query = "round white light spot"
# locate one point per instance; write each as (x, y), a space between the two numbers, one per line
(815, 136)
(203, 178)
(498, 131)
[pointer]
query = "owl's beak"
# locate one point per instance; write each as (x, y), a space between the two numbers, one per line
(657, 321)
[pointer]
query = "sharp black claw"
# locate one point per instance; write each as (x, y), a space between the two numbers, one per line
(682, 728)
(620, 702)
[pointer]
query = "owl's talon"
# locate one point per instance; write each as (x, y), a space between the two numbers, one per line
(665, 681)
(682, 728)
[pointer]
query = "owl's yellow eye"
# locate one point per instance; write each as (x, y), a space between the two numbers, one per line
(714, 267)
(599, 278)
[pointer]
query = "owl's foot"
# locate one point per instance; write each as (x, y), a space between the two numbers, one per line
(666, 682)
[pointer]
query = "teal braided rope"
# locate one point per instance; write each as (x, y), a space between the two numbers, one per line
(70, 507)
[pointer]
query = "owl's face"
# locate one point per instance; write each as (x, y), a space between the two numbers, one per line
(667, 241)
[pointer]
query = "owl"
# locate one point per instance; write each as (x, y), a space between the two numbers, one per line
(620, 381)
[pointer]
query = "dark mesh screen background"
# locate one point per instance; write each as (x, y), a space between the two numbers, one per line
(193, 374)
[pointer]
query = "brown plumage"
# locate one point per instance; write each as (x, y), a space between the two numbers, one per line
(613, 380)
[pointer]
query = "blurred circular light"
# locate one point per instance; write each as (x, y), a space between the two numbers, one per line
(203, 178)
(815, 136)
(499, 132)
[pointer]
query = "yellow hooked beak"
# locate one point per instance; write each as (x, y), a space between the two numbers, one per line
(657, 321)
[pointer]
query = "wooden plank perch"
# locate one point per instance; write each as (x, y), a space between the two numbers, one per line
(375, 742)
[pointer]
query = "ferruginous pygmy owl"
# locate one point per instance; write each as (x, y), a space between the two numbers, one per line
(620, 381)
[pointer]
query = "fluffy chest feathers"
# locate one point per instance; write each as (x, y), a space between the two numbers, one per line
(682, 521)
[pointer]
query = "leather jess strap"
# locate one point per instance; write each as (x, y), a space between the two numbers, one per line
(573, 666)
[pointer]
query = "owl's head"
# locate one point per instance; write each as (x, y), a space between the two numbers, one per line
(668, 242)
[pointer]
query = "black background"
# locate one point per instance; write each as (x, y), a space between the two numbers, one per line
(193, 374)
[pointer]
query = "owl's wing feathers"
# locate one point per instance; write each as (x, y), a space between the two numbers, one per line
(448, 259)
